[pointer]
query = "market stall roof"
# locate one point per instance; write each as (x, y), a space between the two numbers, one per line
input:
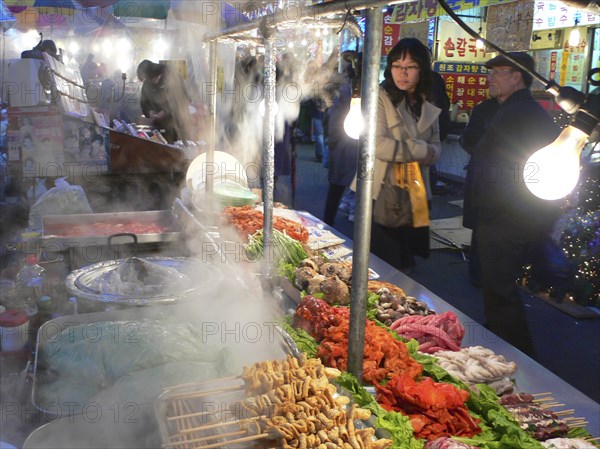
(7, 19)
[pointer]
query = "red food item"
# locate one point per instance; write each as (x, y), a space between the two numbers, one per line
(384, 356)
(433, 332)
(248, 220)
(435, 409)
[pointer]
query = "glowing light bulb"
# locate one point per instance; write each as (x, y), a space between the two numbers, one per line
(479, 45)
(552, 172)
(74, 48)
(261, 107)
(574, 37)
(353, 124)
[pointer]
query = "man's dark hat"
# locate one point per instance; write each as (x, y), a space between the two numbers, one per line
(501, 60)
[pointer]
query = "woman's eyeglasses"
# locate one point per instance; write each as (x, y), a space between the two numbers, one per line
(406, 69)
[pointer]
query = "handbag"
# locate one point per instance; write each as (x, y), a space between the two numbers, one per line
(392, 207)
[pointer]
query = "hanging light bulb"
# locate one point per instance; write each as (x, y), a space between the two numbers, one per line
(552, 172)
(574, 37)
(479, 44)
(353, 124)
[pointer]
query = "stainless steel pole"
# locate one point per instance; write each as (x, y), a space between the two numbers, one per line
(212, 105)
(364, 191)
(268, 165)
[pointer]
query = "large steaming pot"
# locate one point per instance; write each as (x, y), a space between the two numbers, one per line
(136, 281)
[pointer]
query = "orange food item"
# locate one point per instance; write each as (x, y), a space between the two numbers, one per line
(248, 220)
(435, 409)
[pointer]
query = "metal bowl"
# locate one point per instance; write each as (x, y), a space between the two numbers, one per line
(183, 278)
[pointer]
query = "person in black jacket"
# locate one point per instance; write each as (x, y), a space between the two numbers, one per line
(479, 121)
(165, 100)
(511, 221)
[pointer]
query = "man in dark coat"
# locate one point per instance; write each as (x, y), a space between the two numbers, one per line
(480, 119)
(510, 219)
(165, 100)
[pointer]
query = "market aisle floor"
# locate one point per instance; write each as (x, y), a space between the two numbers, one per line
(568, 347)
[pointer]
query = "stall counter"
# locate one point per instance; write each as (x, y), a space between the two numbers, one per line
(530, 377)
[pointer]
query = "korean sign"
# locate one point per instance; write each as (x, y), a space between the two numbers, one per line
(466, 84)
(553, 14)
(427, 9)
(391, 34)
(457, 45)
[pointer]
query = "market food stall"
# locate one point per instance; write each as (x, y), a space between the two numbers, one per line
(151, 390)
(169, 410)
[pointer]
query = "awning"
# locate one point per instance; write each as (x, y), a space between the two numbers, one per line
(7, 19)
(148, 9)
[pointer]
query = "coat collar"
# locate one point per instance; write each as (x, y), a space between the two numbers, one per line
(401, 115)
(429, 114)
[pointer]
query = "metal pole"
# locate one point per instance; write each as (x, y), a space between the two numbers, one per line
(212, 131)
(269, 152)
(364, 191)
(293, 14)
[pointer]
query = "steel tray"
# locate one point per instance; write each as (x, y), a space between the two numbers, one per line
(49, 330)
(50, 224)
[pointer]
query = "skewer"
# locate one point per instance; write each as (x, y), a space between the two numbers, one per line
(549, 398)
(206, 392)
(592, 439)
(551, 404)
(194, 384)
(222, 443)
(541, 394)
(579, 424)
(565, 412)
(222, 423)
(239, 440)
(209, 426)
(195, 415)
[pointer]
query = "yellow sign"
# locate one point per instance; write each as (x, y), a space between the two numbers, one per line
(427, 9)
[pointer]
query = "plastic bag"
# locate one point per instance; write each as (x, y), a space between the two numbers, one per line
(62, 199)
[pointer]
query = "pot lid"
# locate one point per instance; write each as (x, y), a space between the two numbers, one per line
(142, 281)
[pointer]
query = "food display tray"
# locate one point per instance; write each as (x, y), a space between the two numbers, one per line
(49, 331)
(53, 225)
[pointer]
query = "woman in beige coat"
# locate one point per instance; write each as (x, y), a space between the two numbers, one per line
(408, 122)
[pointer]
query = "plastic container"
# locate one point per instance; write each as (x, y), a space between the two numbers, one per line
(14, 330)
(30, 278)
(45, 309)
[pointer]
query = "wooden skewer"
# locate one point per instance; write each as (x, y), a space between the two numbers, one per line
(579, 424)
(206, 392)
(551, 404)
(194, 384)
(541, 394)
(210, 437)
(572, 418)
(239, 440)
(565, 412)
(592, 439)
(222, 443)
(196, 414)
(210, 426)
(222, 423)
(580, 421)
(549, 398)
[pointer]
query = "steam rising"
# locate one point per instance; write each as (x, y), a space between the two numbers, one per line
(237, 314)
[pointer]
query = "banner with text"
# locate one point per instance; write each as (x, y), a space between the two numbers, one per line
(466, 84)
(427, 9)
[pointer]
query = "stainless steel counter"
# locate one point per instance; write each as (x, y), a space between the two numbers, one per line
(531, 377)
